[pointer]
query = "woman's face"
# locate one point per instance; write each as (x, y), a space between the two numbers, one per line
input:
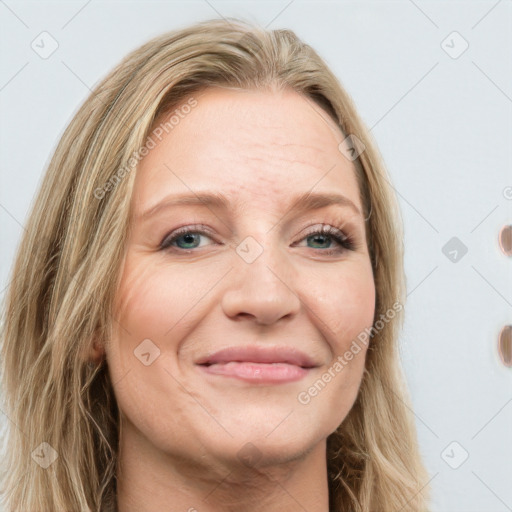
(230, 324)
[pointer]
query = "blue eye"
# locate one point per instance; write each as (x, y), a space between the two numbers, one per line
(329, 233)
(188, 238)
(188, 235)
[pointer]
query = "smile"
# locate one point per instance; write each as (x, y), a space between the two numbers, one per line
(257, 372)
(270, 365)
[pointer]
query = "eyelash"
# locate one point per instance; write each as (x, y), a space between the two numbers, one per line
(345, 242)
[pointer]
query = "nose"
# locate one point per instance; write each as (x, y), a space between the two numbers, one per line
(263, 290)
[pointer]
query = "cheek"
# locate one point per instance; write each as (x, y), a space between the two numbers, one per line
(155, 299)
(347, 305)
(154, 309)
(157, 302)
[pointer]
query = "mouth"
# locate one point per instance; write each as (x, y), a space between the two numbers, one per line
(269, 365)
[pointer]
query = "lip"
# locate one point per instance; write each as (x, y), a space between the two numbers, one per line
(255, 364)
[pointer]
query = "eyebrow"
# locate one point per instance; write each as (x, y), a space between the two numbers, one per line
(308, 201)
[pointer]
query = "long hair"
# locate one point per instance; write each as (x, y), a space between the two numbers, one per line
(61, 446)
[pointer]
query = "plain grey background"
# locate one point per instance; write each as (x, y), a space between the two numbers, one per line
(433, 82)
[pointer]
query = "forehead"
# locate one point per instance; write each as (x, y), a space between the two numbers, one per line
(258, 146)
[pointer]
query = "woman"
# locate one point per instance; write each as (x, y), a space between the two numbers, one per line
(204, 309)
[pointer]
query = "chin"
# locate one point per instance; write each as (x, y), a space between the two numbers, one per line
(255, 448)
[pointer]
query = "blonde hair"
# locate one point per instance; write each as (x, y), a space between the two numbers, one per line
(67, 271)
